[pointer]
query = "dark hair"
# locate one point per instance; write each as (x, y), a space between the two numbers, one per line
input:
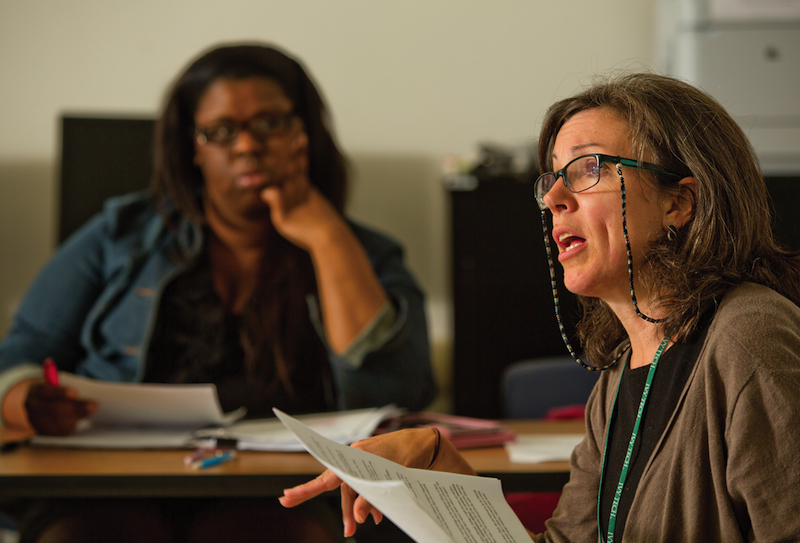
(729, 239)
(175, 174)
(279, 341)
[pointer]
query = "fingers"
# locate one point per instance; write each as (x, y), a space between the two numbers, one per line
(348, 515)
(294, 496)
(285, 196)
(85, 408)
(298, 157)
(287, 159)
(301, 213)
(363, 509)
(288, 162)
(355, 509)
(56, 410)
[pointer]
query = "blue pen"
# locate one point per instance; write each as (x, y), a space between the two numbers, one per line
(197, 455)
(214, 460)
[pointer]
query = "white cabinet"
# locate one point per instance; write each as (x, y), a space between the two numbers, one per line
(746, 53)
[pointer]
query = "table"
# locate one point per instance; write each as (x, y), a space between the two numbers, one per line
(51, 472)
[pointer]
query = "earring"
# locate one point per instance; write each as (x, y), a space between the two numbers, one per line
(672, 232)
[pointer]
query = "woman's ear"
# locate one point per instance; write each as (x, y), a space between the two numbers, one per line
(680, 208)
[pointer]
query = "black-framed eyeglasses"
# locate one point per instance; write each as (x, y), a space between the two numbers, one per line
(584, 172)
(261, 127)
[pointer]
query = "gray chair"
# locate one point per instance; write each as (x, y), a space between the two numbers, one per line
(530, 388)
(8, 530)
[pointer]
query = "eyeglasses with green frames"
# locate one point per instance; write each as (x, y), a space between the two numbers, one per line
(584, 172)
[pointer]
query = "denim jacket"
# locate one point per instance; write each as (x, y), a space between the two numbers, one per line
(94, 305)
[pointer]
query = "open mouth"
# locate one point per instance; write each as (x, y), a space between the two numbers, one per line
(567, 242)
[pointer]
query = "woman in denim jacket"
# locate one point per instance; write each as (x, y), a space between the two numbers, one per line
(237, 268)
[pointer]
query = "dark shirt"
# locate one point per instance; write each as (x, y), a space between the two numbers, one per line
(671, 376)
(196, 340)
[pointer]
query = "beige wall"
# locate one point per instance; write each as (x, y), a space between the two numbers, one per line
(408, 82)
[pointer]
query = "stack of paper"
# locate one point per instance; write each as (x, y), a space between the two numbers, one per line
(155, 416)
(139, 404)
(271, 435)
(142, 416)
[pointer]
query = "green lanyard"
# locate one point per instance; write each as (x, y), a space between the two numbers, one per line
(612, 519)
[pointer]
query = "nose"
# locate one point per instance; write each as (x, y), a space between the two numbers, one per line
(245, 142)
(559, 197)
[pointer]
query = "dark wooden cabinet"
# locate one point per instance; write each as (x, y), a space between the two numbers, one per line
(503, 304)
(784, 194)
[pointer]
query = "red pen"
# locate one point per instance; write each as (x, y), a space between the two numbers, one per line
(50, 372)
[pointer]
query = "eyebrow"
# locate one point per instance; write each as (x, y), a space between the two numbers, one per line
(266, 112)
(576, 148)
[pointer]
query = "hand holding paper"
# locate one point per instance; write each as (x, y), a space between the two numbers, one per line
(410, 448)
(136, 415)
(430, 506)
(54, 410)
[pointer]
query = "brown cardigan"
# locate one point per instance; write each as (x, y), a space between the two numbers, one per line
(727, 467)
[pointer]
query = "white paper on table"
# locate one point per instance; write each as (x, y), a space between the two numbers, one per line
(543, 447)
(141, 416)
(139, 404)
(271, 435)
(430, 506)
(122, 438)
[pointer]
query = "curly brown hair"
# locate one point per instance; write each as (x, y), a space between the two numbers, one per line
(729, 239)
